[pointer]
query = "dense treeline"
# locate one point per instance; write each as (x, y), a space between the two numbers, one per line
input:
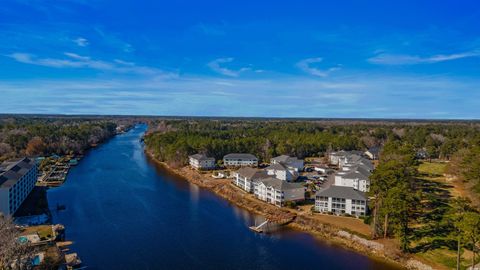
(45, 136)
(173, 140)
(465, 164)
(394, 192)
(416, 211)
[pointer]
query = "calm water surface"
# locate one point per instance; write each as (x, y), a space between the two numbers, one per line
(125, 213)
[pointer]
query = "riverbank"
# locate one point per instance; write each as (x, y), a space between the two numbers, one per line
(303, 221)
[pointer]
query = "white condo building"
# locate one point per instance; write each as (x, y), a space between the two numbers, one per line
(240, 160)
(278, 192)
(289, 162)
(201, 162)
(17, 180)
(246, 177)
(282, 172)
(341, 200)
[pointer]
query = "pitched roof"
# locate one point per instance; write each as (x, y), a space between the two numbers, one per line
(374, 150)
(342, 192)
(252, 173)
(355, 175)
(280, 184)
(277, 167)
(12, 171)
(285, 159)
(239, 156)
(201, 157)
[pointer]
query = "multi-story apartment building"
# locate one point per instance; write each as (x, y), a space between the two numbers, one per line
(201, 162)
(341, 200)
(240, 160)
(289, 162)
(246, 177)
(278, 192)
(17, 180)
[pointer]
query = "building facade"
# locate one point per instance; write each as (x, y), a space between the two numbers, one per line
(288, 161)
(282, 172)
(245, 178)
(240, 160)
(341, 200)
(17, 180)
(201, 162)
(278, 192)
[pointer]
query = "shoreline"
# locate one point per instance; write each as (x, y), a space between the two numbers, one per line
(298, 221)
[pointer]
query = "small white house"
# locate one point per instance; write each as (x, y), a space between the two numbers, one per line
(278, 192)
(289, 161)
(282, 172)
(341, 200)
(240, 160)
(201, 162)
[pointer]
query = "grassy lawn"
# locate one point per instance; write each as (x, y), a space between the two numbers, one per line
(432, 169)
(446, 258)
(44, 231)
(436, 193)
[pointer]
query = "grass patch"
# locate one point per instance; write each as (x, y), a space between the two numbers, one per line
(43, 231)
(432, 169)
(446, 257)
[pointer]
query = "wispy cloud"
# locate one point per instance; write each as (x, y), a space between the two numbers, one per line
(387, 96)
(405, 59)
(73, 60)
(305, 65)
(82, 42)
(216, 65)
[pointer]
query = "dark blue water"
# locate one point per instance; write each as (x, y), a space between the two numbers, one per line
(125, 213)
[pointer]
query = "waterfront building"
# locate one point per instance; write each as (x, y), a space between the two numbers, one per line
(201, 162)
(17, 180)
(246, 177)
(341, 200)
(282, 172)
(288, 161)
(240, 160)
(278, 192)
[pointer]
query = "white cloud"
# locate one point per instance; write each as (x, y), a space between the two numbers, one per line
(216, 65)
(404, 59)
(82, 42)
(285, 96)
(305, 65)
(73, 60)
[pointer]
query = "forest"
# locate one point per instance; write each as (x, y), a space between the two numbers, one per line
(39, 136)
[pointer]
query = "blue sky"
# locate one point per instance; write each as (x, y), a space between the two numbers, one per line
(372, 59)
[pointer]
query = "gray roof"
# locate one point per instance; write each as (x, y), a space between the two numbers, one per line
(252, 173)
(374, 150)
(239, 156)
(342, 192)
(343, 153)
(285, 159)
(201, 157)
(280, 184)
(12, 171)
(277, 167)
(355, 175)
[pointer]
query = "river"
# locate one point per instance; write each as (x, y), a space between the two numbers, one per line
(123, 212)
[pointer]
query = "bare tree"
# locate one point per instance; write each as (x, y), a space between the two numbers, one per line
(13, 253)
